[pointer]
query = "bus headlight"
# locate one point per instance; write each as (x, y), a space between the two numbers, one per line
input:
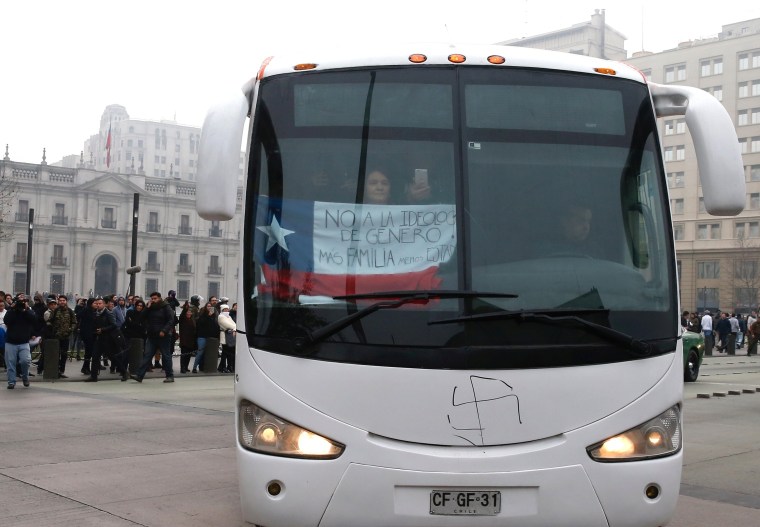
(657, 437)
(262, 432)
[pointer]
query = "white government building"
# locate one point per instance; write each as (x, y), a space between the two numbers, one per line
(83, 208)
(83, 217)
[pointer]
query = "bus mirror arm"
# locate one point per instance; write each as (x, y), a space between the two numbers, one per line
(719, 157)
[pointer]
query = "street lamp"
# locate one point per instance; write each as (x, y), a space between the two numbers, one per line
(133, 260)
(30, 238)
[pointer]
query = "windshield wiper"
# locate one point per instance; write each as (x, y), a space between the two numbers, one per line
(638, 348)
(394, 299)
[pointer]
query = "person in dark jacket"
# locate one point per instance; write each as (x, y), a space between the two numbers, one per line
(63, 322)
(78, 343)
(87, 334)
(39, 307)
(187, 338)
(723, 328)
(205, 327)
(171, 299)
(135, 327)
(105, 327)
(21, 325)
(159, 318)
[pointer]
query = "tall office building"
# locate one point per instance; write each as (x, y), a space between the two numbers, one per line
(162, 149)
(718, 257)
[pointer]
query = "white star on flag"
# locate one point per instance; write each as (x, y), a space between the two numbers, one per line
(276, 234)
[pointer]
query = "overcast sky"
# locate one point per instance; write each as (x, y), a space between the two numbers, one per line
(63, 62)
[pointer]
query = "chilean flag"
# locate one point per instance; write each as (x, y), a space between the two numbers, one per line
(108, 147)
(324, 249)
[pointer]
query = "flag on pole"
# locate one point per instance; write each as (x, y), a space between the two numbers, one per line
(108, 147)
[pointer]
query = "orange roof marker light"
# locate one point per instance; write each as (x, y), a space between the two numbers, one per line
(605, 71)
(305, 66)
(456, 58)
(417, 58)
(496, 59)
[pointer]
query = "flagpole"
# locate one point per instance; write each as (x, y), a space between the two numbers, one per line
(108, 146)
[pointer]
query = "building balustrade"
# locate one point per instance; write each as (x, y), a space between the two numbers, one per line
(184, 268)
(58, 261)
(214, 270)
(153, 267)
(185, 229)
(215, 232)
(153, 227)
(60, 220)
(108, 224)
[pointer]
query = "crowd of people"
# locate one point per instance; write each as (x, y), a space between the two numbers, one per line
(724, 332)
(99, 331)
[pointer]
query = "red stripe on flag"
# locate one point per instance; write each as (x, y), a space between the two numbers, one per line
(289, 285)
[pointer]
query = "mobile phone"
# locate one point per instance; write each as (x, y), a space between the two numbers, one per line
(421, 176)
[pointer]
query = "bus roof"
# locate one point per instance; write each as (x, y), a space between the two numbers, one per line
(440, 54)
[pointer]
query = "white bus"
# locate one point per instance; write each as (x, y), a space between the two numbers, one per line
(458, 293)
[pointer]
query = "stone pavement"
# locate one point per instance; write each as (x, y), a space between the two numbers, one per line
(117, 453)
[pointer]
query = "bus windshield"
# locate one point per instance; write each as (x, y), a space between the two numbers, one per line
(394, 213)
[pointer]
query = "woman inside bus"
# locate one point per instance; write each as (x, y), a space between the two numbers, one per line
(377, 189)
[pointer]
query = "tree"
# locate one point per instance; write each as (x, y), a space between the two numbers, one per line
(746, 272)
(8, 191)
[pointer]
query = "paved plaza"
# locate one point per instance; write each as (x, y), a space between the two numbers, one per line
(117, 453)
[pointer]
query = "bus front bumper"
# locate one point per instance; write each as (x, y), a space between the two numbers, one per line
(331, 494)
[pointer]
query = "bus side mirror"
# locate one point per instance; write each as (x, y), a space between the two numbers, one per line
(219, 159)
(721, 170)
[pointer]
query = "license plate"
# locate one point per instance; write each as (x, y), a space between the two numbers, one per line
(465, 502)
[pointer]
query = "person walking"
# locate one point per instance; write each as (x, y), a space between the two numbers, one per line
(63, 322)
(732, 336)
(188, 339)
(707, 330)
(120, 311)
(754, 335)
(21, 324)
(723, 329)
(159, 318)
(87, 334)
(78, 343)
(228, 326)
(740, 337)
(104, 324)
(206, 327)
(3, 312)
(47, 331)
(135, 327)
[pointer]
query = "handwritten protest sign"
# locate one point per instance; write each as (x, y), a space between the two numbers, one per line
(372, 239)
(330, 248)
